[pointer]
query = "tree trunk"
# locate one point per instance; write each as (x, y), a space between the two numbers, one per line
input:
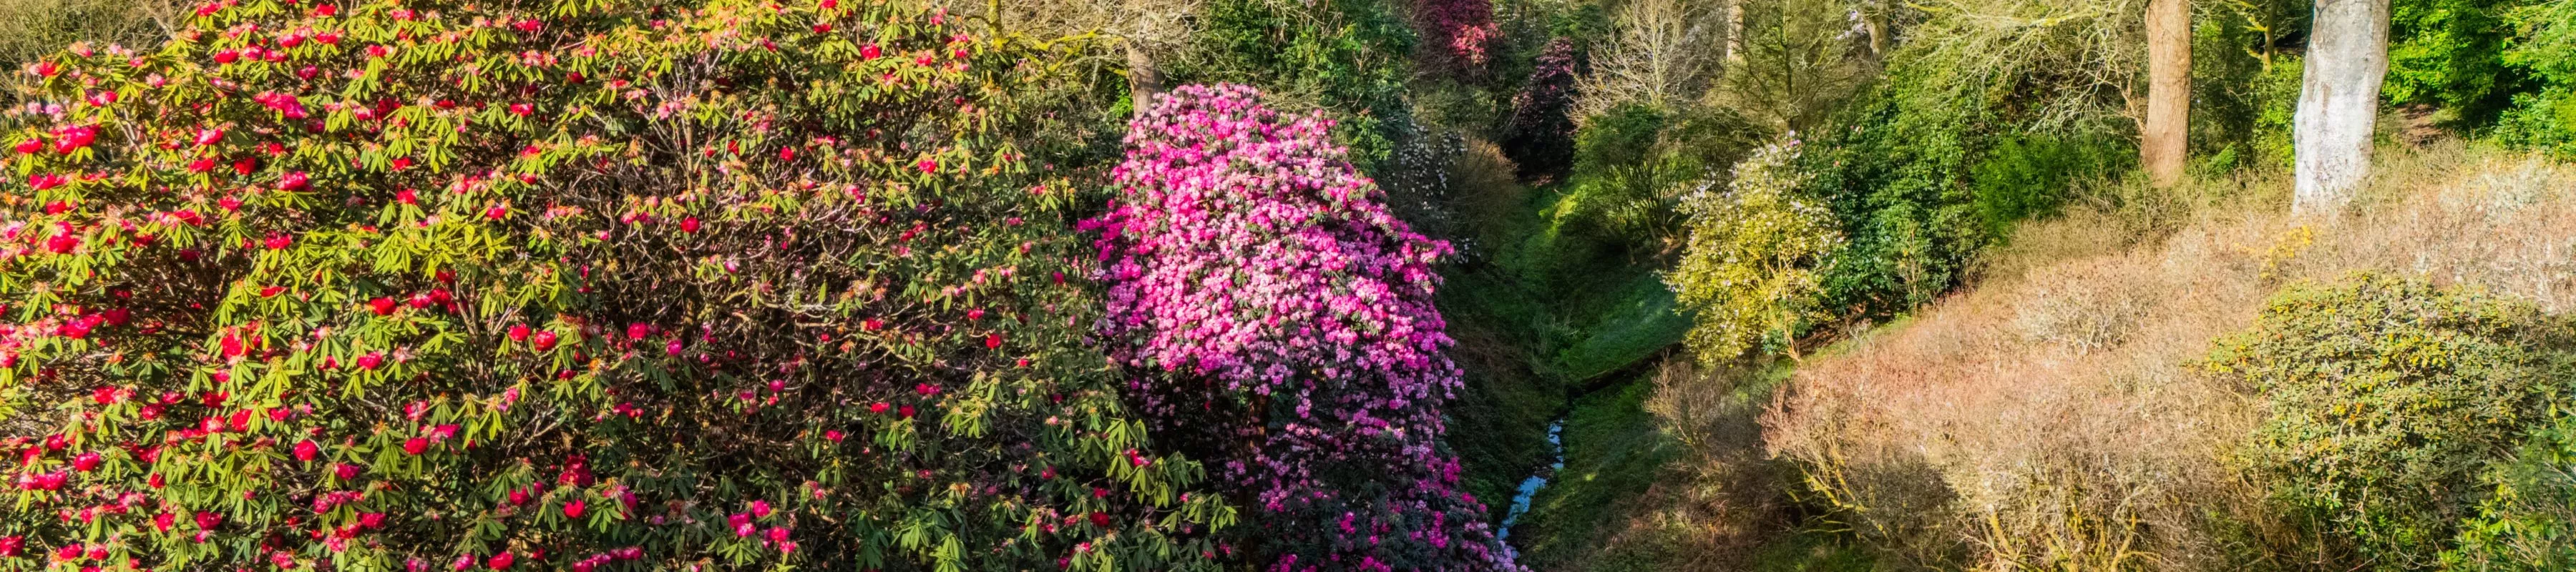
(1874, 18)
(1734, 31)
(2339, 103)
(2163, 139)
(1143, 81)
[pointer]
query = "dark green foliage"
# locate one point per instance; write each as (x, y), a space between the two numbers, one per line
(1895, 172)
(1921, 172)
(1347, 58)
(2544, 121)
(2387, 398)
(2528, 523)
(2546, 118)
(2450, 53)
(1632, 165)
(1540, 138)
(1621, 137)
(2276, 98)
(2027, 176)
(2244, 87)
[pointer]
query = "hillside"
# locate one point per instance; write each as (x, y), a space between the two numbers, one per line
(2055, 410)
(1288, 285)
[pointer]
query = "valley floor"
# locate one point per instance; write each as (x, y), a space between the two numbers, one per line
(2074, 338)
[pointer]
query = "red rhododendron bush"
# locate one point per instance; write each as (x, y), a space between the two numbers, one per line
(1282, 327)
(1461, 32)
(585, 285)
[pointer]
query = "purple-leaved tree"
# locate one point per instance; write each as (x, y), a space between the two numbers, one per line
(1278, 323)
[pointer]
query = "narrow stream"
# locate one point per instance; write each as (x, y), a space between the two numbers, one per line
(1531, 485)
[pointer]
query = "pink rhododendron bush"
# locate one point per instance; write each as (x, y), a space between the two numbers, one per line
(1281, 326)
(622, 285)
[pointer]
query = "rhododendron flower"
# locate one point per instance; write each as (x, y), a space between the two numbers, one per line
(367, 179)
(1340, 338)
(62, 242)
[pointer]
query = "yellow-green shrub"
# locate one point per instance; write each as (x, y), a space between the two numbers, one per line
(2387, 398)
(2528, 522)
(1749, 268)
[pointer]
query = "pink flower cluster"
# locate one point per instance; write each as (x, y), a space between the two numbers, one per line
(1462, 29)
(1282, 326)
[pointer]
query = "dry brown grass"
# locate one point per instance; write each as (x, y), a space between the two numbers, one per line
(2049, 418)
(30, 29)
(1485, 194)
(1722, 497)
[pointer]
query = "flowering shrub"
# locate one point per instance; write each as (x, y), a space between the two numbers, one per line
(621, 285)
(1748, 270)
(1282, 324)
(1460, 31)
(1541, 136)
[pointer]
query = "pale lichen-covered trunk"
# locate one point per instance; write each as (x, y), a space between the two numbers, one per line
(1734, 30)
(2339, 102)
(2163, 140)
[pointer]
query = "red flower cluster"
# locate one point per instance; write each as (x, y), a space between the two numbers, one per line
(462, 251)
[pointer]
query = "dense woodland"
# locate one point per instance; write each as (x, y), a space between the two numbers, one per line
(1288, 285)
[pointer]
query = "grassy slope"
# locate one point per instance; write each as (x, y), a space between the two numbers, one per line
(1623, 501)
(1552, 320)
(1540, 318)
(1613, 454)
